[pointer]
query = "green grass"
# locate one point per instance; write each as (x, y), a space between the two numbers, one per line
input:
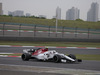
(58, 44)
(12, 54)
(51, 22)
(88, 57)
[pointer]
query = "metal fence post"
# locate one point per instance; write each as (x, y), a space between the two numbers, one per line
(76, 32)
(49, 32)
(34, 30)
(56, 34)
(62, 31)
(3, 29)
(88, 32)
(19, 30)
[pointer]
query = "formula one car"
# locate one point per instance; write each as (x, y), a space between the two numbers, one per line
(45, 55)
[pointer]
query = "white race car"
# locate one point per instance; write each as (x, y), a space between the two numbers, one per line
(45, 55)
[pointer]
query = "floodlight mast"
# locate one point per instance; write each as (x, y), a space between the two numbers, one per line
(56, 22)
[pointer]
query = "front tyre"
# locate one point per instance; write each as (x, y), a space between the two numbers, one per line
(57, 58)
(72, 56)
(25, 57)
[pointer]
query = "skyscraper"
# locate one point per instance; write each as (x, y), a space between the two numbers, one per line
(72, 14)
(58, 13)
(1, 11)
(92, 14)
(16, 13)
(28, 14)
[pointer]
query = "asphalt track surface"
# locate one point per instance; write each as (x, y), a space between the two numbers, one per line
(86, 64)
(7, 72)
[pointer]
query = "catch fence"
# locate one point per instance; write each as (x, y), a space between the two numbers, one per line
(34, 30)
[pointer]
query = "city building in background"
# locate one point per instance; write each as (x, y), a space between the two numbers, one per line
(28, 14)
(92, 14)
(58, 13)
(16, 13)
(72, 14)
(1, 11)
(54, 17)
(42, 16)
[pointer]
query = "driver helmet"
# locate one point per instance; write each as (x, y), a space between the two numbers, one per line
(46, 48)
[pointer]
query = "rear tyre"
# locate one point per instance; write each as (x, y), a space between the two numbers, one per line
(57, 58)
(25, 57)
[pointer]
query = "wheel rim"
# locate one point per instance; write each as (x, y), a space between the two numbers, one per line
(55, 58)
(23, 57)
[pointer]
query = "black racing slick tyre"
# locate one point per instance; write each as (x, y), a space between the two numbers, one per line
(25, 57)
(57, 58)
(72, 56)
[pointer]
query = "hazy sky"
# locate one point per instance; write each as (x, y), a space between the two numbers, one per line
(48, 7)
